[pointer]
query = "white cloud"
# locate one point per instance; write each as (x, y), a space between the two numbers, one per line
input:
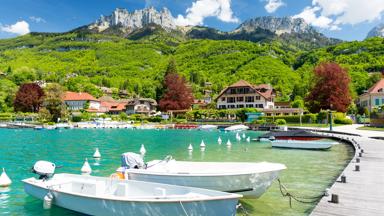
(19, 28)
(331, 14)
(273, 5)
(37, 19)
(202, 9)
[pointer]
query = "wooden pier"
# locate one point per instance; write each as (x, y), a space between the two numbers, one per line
(363, 192)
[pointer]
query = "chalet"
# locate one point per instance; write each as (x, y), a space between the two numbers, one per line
(145, 106)
(373, 97)
(79, 101)
(245, 95)
(111, 106)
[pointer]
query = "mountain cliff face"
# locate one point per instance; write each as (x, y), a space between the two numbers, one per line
(378, 31)
(284, 25)
(150, 24)
(130, 21)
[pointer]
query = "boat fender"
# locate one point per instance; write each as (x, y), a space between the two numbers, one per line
(47, 203)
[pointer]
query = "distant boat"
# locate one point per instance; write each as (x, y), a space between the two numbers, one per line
(237, 128)
(298, 144)
(249, 179)
(300, 135)
(207, 127)
(110, 196)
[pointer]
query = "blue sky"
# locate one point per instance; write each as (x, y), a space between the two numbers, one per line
(344, 19)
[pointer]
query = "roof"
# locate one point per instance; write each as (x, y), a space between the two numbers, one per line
(78, 96)
(241, 83)
(136, 100)
(112, 106)
(107, 99)
(265, 90)
(378, 87)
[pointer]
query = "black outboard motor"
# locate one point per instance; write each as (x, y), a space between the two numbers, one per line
(131, 160)
(44, 169)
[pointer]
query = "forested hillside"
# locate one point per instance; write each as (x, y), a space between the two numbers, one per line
(85, 62)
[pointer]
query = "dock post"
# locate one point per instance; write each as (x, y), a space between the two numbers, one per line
(357, 168)
(335, 198)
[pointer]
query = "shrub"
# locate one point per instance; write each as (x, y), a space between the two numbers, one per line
(307, 118)
(76, 118)
(343, 121)
(280, 122)
(259, 121)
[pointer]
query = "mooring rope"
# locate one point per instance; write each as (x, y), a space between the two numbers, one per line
(302, 199)
(166, 159)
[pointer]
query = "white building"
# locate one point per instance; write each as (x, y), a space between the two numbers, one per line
(78, 101)
(145, 106)
(374, 97)
(244, 95)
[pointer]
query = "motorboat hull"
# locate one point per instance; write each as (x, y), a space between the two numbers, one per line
(90, 204)
(249, 183)
(298, 144)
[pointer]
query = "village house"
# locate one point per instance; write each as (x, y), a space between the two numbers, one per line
(244, 95)
(78, 101)
(145, 106)
(373, 97)
(111, 106)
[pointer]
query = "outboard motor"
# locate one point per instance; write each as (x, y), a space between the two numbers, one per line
(44, 169)
(131, 160)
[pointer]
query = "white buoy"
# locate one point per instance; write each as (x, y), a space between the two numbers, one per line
(202, 144)
(142, 150)
(229, 143)
(5, 181)
(248, 139)
(237, 135)
(97, 153)
(219, 141)
(243, 135)
(190, 147)
(86, 168)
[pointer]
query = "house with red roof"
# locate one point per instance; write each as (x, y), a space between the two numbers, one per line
(245, 95)
(373, 97)
(76, 101)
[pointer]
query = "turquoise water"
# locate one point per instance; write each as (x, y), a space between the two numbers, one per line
(308, 173)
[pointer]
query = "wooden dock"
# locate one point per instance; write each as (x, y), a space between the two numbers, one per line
(363, 192)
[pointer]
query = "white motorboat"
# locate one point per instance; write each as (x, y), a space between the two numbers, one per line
(237, 128)
(110, 196)
(207, 127)
(249, 179)
(299, 144)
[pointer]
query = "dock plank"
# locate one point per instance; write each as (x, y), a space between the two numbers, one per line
(363, 194)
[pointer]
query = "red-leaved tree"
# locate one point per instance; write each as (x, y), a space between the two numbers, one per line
(331, 89)
(29, 98)
(178, 95)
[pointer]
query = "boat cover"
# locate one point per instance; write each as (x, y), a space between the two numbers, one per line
(292, 133)
(132, 160)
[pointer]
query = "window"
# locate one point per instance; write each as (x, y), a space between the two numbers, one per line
(259, 105)
(222, 107)
(257, 98)
(223, 99)
(249, 99)
(377, 102)
(230, 100)
(233, 91)
(240, 99)
(231, 106)
(249, 105)
(240, 106)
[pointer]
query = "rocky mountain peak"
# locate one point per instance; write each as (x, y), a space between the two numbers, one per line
(378, 31)
(277, 25)
(130, 21)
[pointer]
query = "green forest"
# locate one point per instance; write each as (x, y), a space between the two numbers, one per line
(86, 62)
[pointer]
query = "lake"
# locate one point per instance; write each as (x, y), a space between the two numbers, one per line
(308, 173)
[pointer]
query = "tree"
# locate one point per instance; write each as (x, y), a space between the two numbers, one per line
(29, 98)
(23, 75)
(7, 94)
(53, 102)
(178, 95)
(331, 89)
